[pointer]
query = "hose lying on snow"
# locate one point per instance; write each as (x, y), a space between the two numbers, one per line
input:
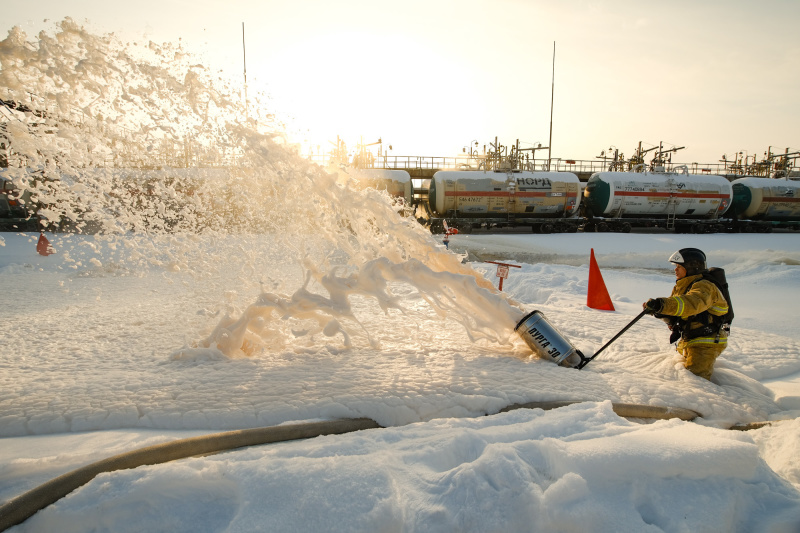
(625, 410)
(23, 507)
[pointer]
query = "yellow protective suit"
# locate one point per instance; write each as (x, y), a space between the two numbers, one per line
(699, 348)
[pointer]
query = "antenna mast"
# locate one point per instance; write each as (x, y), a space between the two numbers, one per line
(244, 58)
(552, 94)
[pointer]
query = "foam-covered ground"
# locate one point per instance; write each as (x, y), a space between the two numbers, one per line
(109, 352)
(99, 349)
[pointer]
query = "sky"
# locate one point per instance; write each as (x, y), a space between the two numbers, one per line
(431, 78)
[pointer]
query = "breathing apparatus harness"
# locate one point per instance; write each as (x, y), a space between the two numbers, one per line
(715, 325)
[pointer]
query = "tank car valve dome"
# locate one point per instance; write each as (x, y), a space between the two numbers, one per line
(692, 259)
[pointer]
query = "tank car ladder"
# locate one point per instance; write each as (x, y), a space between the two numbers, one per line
(511, 204)
(671, 214)
(672, 204)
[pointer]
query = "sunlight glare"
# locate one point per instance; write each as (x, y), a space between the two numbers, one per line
(334, 83)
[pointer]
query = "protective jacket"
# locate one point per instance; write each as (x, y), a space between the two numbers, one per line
(693, 307)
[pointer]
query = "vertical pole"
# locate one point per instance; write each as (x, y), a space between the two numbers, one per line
(552, 95)
(786, 164)
(244, 60)
(501, 284)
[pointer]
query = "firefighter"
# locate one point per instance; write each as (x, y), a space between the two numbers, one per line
(693, 312)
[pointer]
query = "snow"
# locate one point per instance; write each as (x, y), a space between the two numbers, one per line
(278, 293)
(93, 373)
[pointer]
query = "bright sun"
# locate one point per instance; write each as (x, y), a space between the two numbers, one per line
(363, 84)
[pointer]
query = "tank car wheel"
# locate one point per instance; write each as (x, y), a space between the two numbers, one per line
(602, 227)
(547, 228)
(626, 227)
(589, 227)
(572, 228)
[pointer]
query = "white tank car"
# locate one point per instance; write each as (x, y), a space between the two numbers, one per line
(633, 194)
(479, 194)
(395, 182)
(765, 199)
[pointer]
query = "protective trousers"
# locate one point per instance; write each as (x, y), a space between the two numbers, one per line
(699, 357)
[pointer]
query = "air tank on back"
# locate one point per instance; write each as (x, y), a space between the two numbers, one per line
(765, 199)
(656, 194)
(479, 194)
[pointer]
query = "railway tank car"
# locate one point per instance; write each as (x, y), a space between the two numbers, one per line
(396, 182)
(546, 201)
(15, 214)
(617, 201)
(760, 204)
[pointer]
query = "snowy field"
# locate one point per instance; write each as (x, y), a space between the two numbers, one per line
(251, 288)
(98, 360)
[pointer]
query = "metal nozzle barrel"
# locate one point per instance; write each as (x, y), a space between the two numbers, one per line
(545, 340)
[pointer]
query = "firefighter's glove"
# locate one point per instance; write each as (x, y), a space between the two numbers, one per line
(654, 305)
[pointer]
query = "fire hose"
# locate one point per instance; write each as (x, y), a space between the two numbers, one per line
(19, 509)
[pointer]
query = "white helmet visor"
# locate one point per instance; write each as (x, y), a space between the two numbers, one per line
(676, 258)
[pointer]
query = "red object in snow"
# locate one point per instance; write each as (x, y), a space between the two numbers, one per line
(43, 246)
(448, 230)
(597, 296)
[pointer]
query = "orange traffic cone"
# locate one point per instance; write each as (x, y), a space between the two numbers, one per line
(43, 246)
(597, 297)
